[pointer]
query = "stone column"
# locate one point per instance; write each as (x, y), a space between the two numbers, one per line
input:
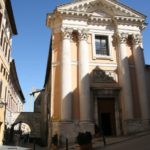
(84, 82)
(66, 90)
(124, 76)
(140, 73)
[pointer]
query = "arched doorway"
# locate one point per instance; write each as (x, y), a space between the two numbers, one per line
(19, 133)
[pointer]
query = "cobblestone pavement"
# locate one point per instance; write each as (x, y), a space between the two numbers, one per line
(139, 143)
(99, 144)
(12, 148)
(36, 147)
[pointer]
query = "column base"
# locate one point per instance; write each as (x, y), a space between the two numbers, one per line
(136, 125)
(87, 126)
(70, 130)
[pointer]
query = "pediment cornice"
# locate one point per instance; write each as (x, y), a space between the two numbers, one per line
(98, 11)
(86, 6)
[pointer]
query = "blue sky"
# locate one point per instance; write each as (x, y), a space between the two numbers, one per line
(30, 46)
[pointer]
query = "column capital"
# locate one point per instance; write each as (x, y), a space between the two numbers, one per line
(136, 39)
(122, 37)
(83, 35)
(67, 33)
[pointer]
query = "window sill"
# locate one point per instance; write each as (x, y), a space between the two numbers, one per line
(103, 57)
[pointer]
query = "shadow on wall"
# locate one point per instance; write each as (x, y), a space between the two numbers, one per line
(98, 78)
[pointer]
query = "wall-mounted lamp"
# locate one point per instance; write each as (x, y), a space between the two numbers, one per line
(2, 104)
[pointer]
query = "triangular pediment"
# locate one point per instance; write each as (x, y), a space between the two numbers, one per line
(100, 8)
(99, 13)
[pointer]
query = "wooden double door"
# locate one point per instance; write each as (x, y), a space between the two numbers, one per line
(106, 116)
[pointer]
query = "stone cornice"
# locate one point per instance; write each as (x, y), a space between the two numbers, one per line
(132, 19)
(74, 13)
(99, 19)
(94, 19)
(78, 6)
(56, 22)
(89, 16)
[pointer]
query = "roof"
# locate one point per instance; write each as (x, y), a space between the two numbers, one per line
(36, 91)
(15, 81)
(147, 66)
(11, 16)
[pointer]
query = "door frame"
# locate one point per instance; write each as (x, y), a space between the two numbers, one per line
(112, 120)
(108, 93)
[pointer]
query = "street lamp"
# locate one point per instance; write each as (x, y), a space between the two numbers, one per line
(2, 104)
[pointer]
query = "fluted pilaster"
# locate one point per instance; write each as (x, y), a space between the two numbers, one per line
(124, 76)
(84, 87)
(66, 91)
(140, 73)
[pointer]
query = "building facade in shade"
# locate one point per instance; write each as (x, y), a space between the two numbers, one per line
(8, 96)
(15, 98)
(96, 75)
(41, 107)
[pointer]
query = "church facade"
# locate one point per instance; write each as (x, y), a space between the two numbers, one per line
(96, 75)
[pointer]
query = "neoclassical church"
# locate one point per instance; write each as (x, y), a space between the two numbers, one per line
(96, 76)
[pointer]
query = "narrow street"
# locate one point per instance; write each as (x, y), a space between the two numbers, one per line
(139, 143)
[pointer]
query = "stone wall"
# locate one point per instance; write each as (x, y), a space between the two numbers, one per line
(32, 119)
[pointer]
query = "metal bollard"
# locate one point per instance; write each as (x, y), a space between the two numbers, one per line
(34, 145)
(67, 144)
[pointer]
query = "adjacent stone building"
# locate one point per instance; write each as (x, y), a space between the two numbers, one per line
(96, 75)
(11, 97)
(41, 107)
(15, 97)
